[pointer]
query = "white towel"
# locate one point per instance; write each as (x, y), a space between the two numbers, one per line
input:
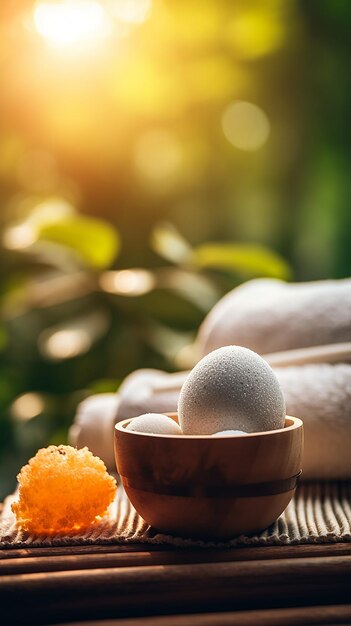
(321, 395)
(268, 315)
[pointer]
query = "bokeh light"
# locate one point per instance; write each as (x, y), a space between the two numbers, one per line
(66, 341)
(19, 237)
(24, 234)
(245, 126)
(69, 22)
(133, 282)
(51, 210)
(66, 344)
(27, 406)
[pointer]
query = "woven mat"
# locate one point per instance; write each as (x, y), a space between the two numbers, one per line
(319, 513)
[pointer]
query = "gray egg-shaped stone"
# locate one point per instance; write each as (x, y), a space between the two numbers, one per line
(231, 388)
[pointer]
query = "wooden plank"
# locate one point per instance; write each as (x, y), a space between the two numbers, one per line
(157, 589)
(238, 553)
(306, 616)
(96, 561)
(13, 552)
(52, 561)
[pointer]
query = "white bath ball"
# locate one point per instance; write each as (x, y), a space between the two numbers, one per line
(228, 433)
(231, 388)
(155, 424)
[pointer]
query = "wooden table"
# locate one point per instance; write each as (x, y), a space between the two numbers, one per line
(303, 584)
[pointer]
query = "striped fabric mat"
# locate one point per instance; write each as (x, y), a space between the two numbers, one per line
(319, 513)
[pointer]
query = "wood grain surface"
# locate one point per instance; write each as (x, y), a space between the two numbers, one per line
(26, 560)
(216, 499)
(53, 585)
(271, 617)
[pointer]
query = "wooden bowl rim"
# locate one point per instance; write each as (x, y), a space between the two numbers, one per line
(295, 424)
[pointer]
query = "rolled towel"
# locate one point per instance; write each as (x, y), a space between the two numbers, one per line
(321, 395)
(151, 388)
(93, 426)
(269, 315)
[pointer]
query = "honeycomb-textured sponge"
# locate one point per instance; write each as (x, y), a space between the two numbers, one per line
(62, 490)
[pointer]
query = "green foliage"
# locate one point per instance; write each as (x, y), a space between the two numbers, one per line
(242, 259)
(169, 243)
(94, 241)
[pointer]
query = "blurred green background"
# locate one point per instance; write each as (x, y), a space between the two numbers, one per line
(153, 155)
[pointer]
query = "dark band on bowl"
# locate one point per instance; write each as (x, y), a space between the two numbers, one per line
(249, 490)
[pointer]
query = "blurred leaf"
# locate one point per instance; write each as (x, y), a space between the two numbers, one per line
(104, 385)
(94, 240)
(46, 290)
(241, 258)
(169, 243)
(75, 337)
(167, 341)
(168, 307)
(198, 289)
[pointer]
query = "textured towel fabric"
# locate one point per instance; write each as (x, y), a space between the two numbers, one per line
(321, 395)
(269, 315)
(320, 512)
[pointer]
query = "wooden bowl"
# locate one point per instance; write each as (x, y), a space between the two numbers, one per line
(210, 487)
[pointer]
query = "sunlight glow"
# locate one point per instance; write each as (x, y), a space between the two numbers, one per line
(245, 126)
(69, 22)
(130, 11)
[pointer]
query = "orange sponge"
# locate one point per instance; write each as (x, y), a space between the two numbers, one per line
(62, 490)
